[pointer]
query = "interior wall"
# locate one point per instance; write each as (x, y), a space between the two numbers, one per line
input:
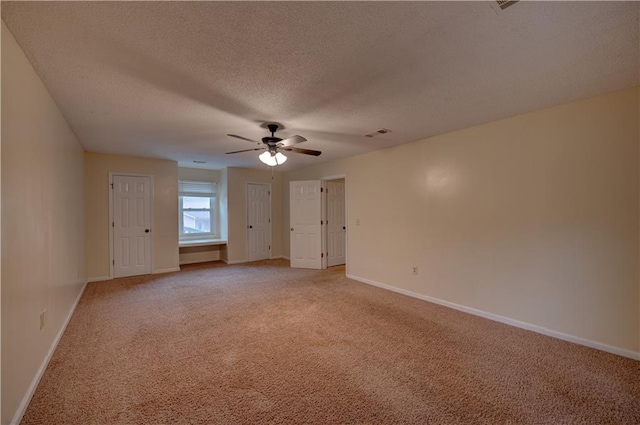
(533, 218)
(165, 203)
(201, 254)
(198, 175)
(43, 265)
(237, 179)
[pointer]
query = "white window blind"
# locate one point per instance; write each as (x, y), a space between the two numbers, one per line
(187, 188)
(197, 209)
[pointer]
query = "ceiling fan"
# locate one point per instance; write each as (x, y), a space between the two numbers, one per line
(274, 145)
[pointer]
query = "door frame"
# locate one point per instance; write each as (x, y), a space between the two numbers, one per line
(323, 214)
(110, 189)
(246, 221)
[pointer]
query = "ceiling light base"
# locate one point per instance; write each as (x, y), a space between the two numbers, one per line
(272, 159)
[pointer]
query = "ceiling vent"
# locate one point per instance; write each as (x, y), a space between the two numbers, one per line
(501, 5)
(378, 132)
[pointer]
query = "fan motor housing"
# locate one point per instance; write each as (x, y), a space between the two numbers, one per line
(271, 140)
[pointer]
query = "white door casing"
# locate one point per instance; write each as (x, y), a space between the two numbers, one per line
(336, 227)
(258, 221)
(305, 216)
(131, 212)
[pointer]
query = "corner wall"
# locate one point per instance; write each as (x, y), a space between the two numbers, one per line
(165, 203)
(534, 218)
(42, 226)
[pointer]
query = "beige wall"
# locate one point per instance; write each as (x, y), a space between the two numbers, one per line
(200, 254)
(165, 229)
(534, 218)
(42, 223)
(237, 179)
(198, 175)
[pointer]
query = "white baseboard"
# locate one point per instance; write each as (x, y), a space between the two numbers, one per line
(157, 271)
(98, 279)
(502, 319)
(167, 270)
(183, 263)
(246, 261)
(43, 366)
(234, 262)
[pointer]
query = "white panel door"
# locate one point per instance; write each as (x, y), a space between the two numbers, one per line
(336, 230)
(131, 225)
(258, 221)
(305, 208)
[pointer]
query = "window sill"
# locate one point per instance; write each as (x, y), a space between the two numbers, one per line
(201, 242)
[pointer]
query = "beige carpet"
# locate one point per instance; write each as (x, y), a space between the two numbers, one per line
(262, 343)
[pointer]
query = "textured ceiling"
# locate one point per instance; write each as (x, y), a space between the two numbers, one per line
(171, 79)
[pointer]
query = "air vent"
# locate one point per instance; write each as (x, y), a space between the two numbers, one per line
(503, 4)
(378, 132)
(200, 162)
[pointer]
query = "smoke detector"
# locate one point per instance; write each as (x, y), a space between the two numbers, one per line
(378, 132)
(500, 5)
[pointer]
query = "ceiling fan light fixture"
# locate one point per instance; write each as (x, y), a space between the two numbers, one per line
(280, 158)
(272, 160)
(272, 146)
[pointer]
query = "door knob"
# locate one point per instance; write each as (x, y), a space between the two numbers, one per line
(344, 228)
(146, 230)
(292, 229)
(250, 227)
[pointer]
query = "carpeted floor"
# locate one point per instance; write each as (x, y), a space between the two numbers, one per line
(263, 343)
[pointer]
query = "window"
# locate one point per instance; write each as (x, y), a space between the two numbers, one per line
(198, 210)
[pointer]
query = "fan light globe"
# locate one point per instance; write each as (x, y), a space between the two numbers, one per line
(272, 160)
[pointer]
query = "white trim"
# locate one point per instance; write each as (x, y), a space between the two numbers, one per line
(502, 319)
(99, 279)
(184, 263)
(111, 256)
(201, 242)
(323, 221)
(214, 213)
(245, 261)
(325, 230)
(36, 379)
(167, 270)
(151, 210)
(234, 262)
(335, 177)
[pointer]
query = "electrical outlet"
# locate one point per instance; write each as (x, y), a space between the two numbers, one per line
(43, 317)
(415, 270)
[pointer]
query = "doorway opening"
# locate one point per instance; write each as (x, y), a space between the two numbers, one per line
(334, 216)
(318, 222)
